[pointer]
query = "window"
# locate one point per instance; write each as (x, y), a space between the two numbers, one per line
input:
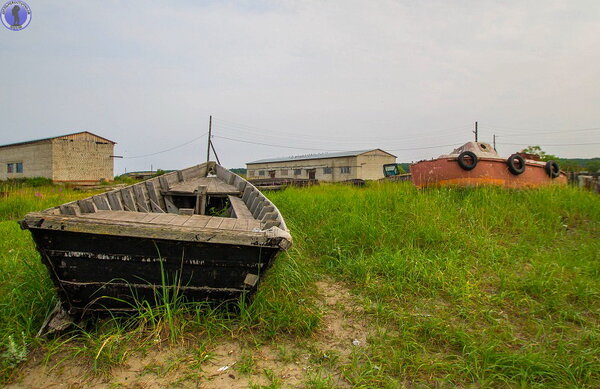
(345, 169)
(250, 173)
(19, 167)
(297, 172)
(261, 172)
(10, 167)
(327, 170)
(284, 172)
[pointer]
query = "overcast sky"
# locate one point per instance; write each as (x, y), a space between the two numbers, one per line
(305, 76)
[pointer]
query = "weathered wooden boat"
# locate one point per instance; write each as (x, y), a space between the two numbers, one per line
(478, 163)
(204, 231)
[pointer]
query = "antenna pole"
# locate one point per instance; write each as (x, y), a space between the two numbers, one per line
(209, 140)
(475, 132)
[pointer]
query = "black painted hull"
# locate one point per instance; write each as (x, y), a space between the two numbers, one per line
(99, 272)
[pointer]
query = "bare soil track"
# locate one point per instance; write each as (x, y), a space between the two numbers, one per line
(285, 362)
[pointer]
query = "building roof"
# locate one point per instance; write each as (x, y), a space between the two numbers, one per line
(54, 137)
(340, 154)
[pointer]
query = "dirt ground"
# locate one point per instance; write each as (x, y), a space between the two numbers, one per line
(283, 363)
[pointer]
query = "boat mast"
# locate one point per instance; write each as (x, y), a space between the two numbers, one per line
(475, 132)
(209, 141)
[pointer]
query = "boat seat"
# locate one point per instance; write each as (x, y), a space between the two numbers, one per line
(239, 209)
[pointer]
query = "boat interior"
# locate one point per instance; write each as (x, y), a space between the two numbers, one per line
(205, 196)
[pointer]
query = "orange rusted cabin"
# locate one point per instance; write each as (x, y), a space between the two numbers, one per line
(477, 163)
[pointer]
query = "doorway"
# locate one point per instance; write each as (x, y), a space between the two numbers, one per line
(311, 173)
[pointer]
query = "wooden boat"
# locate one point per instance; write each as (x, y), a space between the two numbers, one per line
(203, 230)
(478, 163)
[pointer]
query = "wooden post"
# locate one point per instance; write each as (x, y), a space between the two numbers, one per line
(475, 132)
(209, 141)
(495, 142)
(201, 200)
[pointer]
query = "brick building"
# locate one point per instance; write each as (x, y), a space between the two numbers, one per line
(332, 167)
(81, 157)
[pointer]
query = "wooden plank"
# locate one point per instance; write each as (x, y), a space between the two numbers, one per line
(254, 224)
(240, 210)
(197, 221)
(264, 211)
(258, 206)
(163, 218)
(37, 220)
(127, 216)
(247, 191)
(149, 217)
(164, 183)
(256, 203)
(101, 202)
(214, 222)
(128, 200)
(186, 211)
(253, 196)
(241, 225)
(171, 208)
(140, 198)
(114, 199)
(201, 200)
(228, 224)
(154, 196)
(179, 220)
(86, 205)
(70, 209)
(99, 215)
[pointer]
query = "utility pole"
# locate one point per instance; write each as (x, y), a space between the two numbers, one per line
(475, 132)
(209, 140)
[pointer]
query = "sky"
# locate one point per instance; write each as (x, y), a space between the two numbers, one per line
(300, 77)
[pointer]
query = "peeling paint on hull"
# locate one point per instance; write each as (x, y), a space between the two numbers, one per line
(489, 171)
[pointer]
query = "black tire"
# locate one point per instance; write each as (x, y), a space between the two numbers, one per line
(552, 169)
(463, 163)
(512, 166)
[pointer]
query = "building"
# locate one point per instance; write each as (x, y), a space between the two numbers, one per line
(81, 157)
(332, 167)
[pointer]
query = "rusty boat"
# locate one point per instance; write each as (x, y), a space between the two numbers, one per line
(204, 231)
(478, 163)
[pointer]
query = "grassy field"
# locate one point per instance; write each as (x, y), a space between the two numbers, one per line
(455, 287)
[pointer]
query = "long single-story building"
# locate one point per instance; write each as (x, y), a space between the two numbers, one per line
(332, 167)
(80, 157)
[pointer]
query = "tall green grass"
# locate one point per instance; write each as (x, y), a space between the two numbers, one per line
(483, 286)
(486, 285)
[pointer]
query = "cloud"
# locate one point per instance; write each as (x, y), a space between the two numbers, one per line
(322, 75)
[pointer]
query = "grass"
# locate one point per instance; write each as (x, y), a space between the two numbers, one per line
(479, 286)
(483, 286)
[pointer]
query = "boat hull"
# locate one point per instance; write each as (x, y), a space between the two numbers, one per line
(98, 272)
(489, 171)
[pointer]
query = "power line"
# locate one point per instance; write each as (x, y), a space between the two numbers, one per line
(272, 145)
(262, 131)
(426, 147)
(303, 148)
(170, 149)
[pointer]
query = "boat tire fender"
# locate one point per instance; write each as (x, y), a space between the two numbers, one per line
(552, 169)
(516, 164)
(464, 164)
